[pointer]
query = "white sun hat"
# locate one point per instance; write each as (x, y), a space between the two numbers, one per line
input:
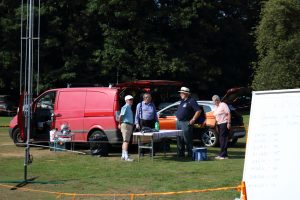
(184, 90)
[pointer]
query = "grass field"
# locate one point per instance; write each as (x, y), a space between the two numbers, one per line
(72, 173)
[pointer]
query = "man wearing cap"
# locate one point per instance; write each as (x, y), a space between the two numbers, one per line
(126, 126)
(187, 113)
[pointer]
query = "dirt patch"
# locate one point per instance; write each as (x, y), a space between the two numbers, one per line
(37, 152)
(9, 150)
(9, 155)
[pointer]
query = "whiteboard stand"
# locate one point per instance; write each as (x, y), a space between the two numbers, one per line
(272, 161)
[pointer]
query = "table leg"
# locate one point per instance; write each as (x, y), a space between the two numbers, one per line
(164, 146)
(139, 150)
(152, 146)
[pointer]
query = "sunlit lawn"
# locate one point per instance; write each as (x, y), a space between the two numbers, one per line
(84, 174)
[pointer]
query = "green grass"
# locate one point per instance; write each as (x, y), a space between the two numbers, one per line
(84, 174)
(4, 121)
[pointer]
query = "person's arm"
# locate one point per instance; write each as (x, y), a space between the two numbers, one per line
(121, 117)
(227, 110)
(197, 110)
(155, 113)
(229, 120)
(195, 117)
(120, 121)
(137, 116)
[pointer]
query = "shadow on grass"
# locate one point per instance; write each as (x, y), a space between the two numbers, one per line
(22, 183)
(233, 154)
(238, 145)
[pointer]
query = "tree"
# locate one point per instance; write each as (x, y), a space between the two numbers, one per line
(278, 46)
(10, 46)
(200, 42)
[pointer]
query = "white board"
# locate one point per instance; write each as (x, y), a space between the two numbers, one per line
(272, 161)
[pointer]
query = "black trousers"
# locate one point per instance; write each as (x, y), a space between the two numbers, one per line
(223, 138)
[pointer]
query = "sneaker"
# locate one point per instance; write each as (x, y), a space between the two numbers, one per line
(122, 158)
(129, 159)
(218, 157)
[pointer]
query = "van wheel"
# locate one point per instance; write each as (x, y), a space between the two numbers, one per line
(98, 143)
(17, 138)
(210, 138)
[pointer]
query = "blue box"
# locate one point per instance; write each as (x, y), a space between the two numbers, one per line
(199, 154)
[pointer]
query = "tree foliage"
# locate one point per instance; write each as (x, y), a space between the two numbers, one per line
(278, 46)
(205, 43)
(9, 46)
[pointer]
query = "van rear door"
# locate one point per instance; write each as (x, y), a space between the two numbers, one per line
(163, 91)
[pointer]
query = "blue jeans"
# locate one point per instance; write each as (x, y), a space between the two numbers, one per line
(186, 139)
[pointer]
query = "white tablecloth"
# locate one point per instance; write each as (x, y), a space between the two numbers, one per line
(161, 134)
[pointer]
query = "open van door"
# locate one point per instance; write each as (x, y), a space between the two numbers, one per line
(20, 137)
(239, 98)
(164, 92)
(42, 116)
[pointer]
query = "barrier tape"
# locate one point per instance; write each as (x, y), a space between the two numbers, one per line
(74, 195)
(6, 126)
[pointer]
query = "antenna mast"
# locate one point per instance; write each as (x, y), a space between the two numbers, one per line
(26, 71)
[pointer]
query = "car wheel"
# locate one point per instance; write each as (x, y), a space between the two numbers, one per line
(98, 143)
(210, 138)
(17, 138)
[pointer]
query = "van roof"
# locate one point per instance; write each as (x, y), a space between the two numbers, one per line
(103, 89)
(148, 83)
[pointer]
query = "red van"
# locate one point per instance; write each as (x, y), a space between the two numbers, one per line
(87, 111)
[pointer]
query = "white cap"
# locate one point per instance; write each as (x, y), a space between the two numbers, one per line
(184, 90)
(128, 97)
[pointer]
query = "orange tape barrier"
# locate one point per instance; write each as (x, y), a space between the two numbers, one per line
(243, 191)
(74, 195)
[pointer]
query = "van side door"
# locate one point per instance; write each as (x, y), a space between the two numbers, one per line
(70, 110)
(99, 113)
